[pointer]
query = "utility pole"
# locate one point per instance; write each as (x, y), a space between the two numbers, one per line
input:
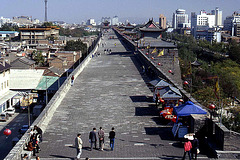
(46, 91)
(46, 11)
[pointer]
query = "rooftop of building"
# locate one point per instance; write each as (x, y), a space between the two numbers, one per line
(39, 28)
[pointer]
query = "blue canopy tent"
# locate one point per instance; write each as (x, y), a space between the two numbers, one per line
(187, 109)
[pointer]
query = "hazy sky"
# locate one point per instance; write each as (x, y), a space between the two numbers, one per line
(75, 11)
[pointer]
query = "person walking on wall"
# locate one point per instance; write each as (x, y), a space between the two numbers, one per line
(78, 145)
(93, 138)
(38, 131)
(187, 148)
(72, 80)
(195, 147)
(112, 138)
(101, 138)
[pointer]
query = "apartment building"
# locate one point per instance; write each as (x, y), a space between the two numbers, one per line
(34, 35)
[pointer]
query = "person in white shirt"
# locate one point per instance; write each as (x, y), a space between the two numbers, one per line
(78, 145)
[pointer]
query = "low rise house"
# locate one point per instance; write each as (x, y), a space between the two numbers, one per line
(23, 63)
(58, 62)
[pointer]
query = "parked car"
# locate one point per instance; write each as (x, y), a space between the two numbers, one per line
(10, 111)
(23, 129)
(4, 116)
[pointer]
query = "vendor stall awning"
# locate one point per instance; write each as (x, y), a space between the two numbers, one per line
(187, 109)
(159, 83)
(170, 92)
(50, 83)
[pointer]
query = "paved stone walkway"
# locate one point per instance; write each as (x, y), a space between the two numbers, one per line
(110, 92)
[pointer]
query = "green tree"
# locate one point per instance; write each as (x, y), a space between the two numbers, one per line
(234, 51)
(76, 46)
(6, 27)
(77, 32)
(47, 24)
(38, 57)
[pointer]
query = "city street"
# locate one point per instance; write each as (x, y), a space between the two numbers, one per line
(14, 124)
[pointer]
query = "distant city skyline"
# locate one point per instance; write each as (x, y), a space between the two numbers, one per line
(136, 11)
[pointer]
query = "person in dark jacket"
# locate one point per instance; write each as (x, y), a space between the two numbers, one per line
(93, 138)
(101, 138)
(195, 147)
(112, 138)
(39, 132)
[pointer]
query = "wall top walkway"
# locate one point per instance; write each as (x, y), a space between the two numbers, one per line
(110, 92)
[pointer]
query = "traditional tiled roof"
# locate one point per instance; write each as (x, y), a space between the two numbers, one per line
(155, 43)
(56, 71)
(196, 63)
(159, 83)
(25, 61)
(170, 92)
(151, 26)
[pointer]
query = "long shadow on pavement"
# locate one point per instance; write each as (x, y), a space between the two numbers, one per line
(165, 133)
(144, 111)
(59, 156)
(170, 157)
(140, 98)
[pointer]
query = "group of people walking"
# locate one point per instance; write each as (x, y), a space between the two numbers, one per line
(107, 51)
(35, 139)
(94, 136)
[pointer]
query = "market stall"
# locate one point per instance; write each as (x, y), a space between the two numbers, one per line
(158, 84)
(170, 95)
(180, 128)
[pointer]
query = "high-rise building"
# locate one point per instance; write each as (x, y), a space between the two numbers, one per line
(162, 21)
(203, 19)
(115, 20)
(202, 26)
(179, 18)
(218, 16)
(4, 20)
(232, 23)
(91, 21)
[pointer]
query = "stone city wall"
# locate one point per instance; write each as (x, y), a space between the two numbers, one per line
(45, 117)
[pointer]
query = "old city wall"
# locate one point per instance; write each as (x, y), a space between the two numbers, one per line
(45, 117)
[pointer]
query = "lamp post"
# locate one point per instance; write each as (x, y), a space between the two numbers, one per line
(187, 83)
(29, 121)
(212, 107)
(46, 92)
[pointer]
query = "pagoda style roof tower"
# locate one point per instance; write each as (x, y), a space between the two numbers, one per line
(151, 29)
